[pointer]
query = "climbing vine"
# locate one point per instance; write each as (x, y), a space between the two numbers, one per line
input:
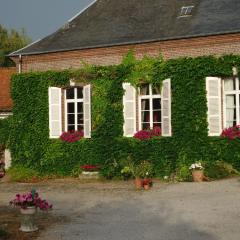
(29, 133)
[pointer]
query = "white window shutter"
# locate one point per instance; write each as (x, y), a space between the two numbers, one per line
(129, 110)
(87, 110)
(55, 112)
(214, 114)
(166, 108)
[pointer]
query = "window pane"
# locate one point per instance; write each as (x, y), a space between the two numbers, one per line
(146, 116)
(157, 125)
(145, 126)
(145, 104)
(156, 90)
(231, 110)
(70, 108)
(157, 116)
(80, 127)
(70, 93)
(80, 107)
(229, 84)
(71, 119)
(79, 93)
(157, 104)
(71, 127)
(144, 89)
(80, 118)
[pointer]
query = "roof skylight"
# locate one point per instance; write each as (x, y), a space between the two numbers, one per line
(186, 11)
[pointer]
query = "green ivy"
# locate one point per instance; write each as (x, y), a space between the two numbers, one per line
(29, 134)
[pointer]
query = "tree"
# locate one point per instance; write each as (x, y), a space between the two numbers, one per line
(10, 41)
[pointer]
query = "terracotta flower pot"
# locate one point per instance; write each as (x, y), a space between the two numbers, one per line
(28, 219)
(138, 183)
(197, 175)
(146, 186)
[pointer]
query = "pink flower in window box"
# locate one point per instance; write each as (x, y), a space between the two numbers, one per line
(231, 132)
(71, 136)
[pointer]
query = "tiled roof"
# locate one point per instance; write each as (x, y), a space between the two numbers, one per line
(120, 22)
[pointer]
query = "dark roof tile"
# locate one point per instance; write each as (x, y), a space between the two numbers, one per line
(119, 22)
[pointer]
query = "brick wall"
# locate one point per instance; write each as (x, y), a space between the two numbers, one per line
(212, 45)
(5, 97)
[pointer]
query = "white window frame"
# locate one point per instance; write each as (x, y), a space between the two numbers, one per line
(75, 101)
(151, 96)
(237, 95)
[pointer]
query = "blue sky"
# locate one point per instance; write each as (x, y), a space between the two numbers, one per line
(39, 17)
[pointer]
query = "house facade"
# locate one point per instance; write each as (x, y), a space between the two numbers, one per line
(104, 33)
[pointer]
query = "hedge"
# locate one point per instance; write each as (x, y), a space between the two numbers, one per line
(29, 137)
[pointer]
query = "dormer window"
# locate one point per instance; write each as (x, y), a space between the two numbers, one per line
(186, 11)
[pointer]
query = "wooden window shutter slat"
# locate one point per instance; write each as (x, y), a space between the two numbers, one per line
(87, 110)
(129, 110)
(214, 98)
(55, 112)
(166, 108)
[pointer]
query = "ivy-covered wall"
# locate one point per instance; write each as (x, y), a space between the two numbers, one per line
(29, 134)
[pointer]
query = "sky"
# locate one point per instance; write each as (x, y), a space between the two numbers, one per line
(39, 17)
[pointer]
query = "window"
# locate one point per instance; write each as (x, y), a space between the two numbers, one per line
(223, 101)
(74, 109)
(69, 109)
(149, 106)
(186, 11)
(231, 98)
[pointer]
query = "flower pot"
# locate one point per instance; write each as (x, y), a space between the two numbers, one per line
(89, 175)
(146, 186)
(197, 175)
(138, 183)
(28, 219)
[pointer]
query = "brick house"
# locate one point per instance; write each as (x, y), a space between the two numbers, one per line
(105, 31)
(5, 97)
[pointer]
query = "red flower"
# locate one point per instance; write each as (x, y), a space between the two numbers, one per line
(146, 181)
(143, 135)
(147, 134)
(71, 136)
(90, 168)
(231, 132)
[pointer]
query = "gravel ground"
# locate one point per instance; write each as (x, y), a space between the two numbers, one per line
(115, 211)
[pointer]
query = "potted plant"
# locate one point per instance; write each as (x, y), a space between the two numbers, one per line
(197, 172)
(147, 183)
(90, 171)
(126, 173)
(147, 174)
(29, 203)
(143, 174)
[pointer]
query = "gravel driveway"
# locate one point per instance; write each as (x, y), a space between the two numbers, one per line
(115, 211)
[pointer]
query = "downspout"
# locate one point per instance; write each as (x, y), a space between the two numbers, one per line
(20, 64)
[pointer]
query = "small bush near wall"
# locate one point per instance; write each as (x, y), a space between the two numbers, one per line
(29, 139)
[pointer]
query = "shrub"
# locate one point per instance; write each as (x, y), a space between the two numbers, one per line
(219, 170)
(111, 170)
(23, 174)
(183, 174)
